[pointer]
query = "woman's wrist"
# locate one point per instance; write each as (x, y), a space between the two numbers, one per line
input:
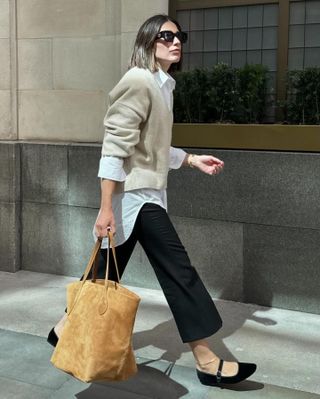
(190, 160)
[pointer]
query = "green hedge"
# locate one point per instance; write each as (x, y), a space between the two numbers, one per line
(303, 97)
(221, 94)
(239, 95)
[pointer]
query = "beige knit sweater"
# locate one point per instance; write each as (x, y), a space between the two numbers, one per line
(138, 128)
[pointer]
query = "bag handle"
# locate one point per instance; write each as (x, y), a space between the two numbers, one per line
(91, 263)
(94, 255)
(113, 248)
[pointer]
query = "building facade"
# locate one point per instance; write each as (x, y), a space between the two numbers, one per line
(252, 232)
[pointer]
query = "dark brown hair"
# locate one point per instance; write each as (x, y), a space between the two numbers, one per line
(143, 55)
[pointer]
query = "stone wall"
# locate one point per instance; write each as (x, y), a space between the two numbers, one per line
(252, 232)
(6, 74)
(59, 59)
(267, 203)
(10, 205)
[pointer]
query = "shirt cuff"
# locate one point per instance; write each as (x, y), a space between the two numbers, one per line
(177, 156)
(111, 168)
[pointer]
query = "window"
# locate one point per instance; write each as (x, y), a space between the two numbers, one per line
(304, 35)
(235, 35)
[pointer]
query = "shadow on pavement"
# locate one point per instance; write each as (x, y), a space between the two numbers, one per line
(244, 386)
(148, 383)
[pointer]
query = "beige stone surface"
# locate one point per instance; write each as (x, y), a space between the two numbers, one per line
(113, 17)
(35, 63)
(5, 115)
(4, 19)
(134, 13)
(63, 115)
(56, 18)
(86, 63)
(127, 42)
(4, 64)
(70, 55)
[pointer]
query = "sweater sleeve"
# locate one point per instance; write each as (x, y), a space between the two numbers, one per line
(129, 108)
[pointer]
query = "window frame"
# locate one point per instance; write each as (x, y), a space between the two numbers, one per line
(283, 31)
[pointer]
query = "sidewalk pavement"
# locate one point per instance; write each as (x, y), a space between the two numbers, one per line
(284, 344)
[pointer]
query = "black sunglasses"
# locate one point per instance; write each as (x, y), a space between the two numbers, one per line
(169, 36)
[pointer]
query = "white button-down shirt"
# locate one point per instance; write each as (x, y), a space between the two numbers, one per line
(127, 205)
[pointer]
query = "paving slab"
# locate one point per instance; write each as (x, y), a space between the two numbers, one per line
(284, 344)
(25, 358)
(252, 391)
(26, 373)
(14, 389)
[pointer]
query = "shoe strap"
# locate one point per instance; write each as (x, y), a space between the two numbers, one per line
(201, 365)
(219, 376)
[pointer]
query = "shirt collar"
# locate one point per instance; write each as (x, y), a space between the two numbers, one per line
(164, 78)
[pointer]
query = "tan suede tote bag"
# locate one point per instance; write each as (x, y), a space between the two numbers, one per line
(96, 341)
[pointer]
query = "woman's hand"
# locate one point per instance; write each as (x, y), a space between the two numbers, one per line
(207, 164)
(105, 222)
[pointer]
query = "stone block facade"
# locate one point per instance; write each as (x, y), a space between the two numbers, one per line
(60, 18)
(59, 60)
(5, 114)
(5, 64)
(10, 206)
(4, 19)
(42, 113)
(252, 232)
(5, 73)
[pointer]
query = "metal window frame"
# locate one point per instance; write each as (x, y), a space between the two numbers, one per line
(283, 30)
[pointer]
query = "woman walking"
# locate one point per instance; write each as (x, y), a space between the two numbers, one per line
(136, 158)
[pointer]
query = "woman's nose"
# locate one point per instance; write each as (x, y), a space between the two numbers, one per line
(176, 40)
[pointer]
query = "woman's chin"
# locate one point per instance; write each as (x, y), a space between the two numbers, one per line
(175, 59)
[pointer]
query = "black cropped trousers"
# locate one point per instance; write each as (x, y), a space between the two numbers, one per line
(194, 312)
